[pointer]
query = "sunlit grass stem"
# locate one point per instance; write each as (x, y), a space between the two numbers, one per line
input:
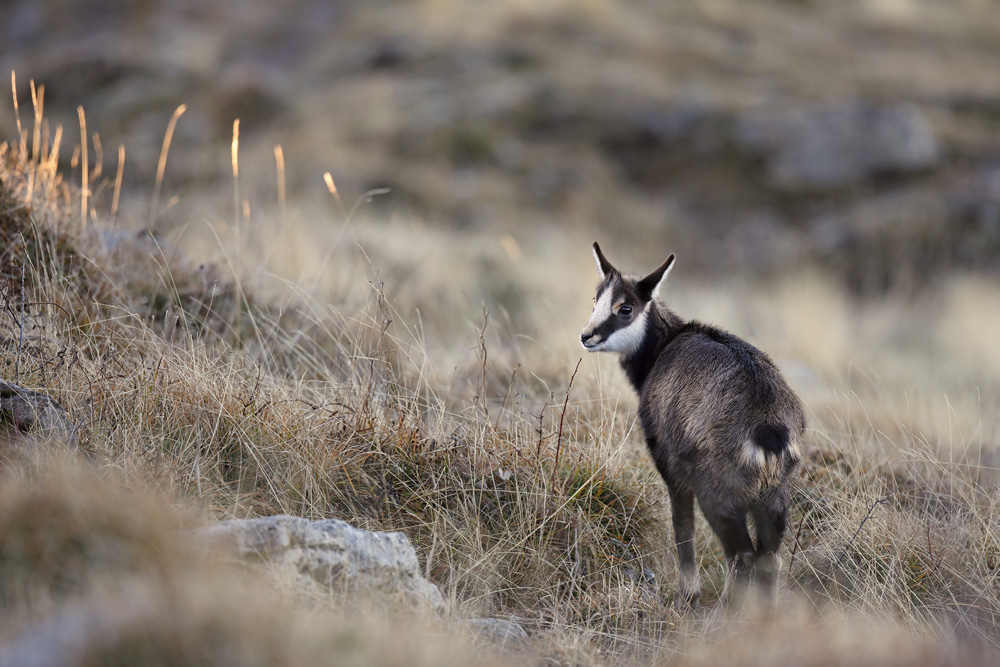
(279, 159)
(161, 165)
(84, 168)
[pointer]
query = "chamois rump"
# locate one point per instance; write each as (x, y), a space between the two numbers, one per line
(721, 424)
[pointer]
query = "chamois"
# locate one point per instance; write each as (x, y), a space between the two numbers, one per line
(721, 424)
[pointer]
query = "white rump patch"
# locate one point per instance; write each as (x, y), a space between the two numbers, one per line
(793, 450)
(751, 455)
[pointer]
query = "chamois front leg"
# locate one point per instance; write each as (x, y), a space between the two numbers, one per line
(682, 507)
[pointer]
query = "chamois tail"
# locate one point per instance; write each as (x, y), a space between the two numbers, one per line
(772, 438)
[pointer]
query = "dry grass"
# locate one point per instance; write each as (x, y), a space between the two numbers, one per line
(372, 387)
(96, 573)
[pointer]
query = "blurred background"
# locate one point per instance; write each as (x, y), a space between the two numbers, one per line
(848, 149)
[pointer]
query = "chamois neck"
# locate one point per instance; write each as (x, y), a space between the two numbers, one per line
(662, 324)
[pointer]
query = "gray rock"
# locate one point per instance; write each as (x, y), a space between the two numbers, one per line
(34, 413)
(975, 206)
(63, 640)
(502, 632)
(838, 145)
(332, 556)
(645, 581)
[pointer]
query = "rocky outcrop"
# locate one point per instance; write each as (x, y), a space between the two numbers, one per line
(815, 148)
(501, 632)
(331, 556)
(34, 413)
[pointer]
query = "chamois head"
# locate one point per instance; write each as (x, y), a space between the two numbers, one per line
(621, 306)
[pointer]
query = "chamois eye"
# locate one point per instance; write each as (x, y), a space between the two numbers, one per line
(625, 311)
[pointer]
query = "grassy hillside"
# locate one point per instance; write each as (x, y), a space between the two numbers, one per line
(364, 302)
(403, 378)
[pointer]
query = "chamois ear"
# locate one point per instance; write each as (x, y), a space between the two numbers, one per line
(603, 265)
(650, 285)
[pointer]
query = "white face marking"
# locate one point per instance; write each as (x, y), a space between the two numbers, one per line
(603, 309)
(628, 340)
(623, 341)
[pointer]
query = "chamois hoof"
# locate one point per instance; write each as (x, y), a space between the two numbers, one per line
(738, 580)
(766, 570)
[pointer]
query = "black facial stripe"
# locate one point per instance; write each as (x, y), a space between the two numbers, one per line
(607, 327)
(612, 281)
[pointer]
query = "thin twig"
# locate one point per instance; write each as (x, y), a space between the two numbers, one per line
(197, 467)
(795, 546)
(930, 548)
(562, 417)
(484, 357)
(20, 336)
(541, 430)
(871, 510)
(503, 403)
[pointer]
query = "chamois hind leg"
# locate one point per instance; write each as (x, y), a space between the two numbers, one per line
(730, 525)
(682, 508)
(770, 517)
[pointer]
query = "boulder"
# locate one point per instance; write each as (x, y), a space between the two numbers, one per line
(331, 556)
(833, 146)
(64, 639)
(505, 633)
(34, 413)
